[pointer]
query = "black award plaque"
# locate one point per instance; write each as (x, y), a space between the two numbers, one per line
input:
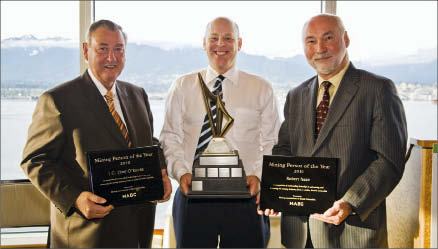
(126, 177)
(298, 185)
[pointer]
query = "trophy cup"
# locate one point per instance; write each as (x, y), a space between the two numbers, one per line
(219, 172)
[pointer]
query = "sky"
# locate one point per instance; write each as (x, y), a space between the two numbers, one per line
(269, 28)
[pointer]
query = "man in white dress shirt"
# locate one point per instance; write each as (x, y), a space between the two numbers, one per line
(250, 100)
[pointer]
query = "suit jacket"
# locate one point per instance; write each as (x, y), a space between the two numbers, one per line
(68, 121)
(366, 130)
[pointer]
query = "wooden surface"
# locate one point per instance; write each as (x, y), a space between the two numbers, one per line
(434, 225)
(425, 144)
(422, 239)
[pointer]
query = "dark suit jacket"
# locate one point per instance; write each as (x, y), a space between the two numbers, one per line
(68, 121)
(366, 129)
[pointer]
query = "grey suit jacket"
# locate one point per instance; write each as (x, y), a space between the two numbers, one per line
(68, 121)
(366, 129)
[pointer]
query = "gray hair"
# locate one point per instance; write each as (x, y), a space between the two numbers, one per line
(107, 24)
(233, 24)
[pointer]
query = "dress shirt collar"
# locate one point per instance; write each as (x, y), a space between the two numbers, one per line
(336, 79)
(100, 86)
(231, 75)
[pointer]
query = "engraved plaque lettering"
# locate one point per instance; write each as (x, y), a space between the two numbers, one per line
(126, 177)
(298, 185)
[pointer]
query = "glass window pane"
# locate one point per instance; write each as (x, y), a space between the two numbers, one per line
(402, 46)
(269, 28)
(165, 40)
(39, 49)
(409, 33)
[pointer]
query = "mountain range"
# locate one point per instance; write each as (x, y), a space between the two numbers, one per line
(29, 62)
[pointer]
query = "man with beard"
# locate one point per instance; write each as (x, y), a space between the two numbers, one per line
(355, 116)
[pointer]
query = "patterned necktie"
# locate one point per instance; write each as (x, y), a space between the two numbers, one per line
(323, 108)
(110, 101)
(206, 134)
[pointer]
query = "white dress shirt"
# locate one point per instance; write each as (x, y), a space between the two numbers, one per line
(249, 99)
(103, 91)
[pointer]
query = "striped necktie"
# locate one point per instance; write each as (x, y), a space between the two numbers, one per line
(323, 108)
(109, 97)
(206, 133)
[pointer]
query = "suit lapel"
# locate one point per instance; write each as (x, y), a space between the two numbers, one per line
(98, 106)
(347, 90)
(308, 104)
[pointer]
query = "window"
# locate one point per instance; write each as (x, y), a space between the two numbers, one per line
(38, 51)
(165, 40)
(401, 46)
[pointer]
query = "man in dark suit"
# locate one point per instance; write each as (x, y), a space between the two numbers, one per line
(358, 118)
(74, 118)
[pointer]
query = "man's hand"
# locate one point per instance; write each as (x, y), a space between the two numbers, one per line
(88, 204)
(267, 212)
(166, 185)
(336, 214)
(254, 185)
(185, 182)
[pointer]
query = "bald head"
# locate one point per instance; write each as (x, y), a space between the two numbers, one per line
(335, 22)
(325, 44)
(223, 19)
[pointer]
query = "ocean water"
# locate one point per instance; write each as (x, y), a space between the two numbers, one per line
(16, 116)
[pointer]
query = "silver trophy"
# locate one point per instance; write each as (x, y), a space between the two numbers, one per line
(219, 172)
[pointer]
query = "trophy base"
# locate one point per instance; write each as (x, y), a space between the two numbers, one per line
(219, 181)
